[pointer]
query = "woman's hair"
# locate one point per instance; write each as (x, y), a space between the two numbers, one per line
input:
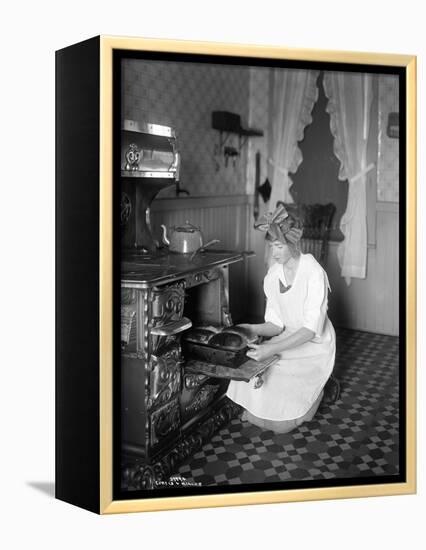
(288, 232)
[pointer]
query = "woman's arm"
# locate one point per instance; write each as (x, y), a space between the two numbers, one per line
(263, 351)
(263, 329)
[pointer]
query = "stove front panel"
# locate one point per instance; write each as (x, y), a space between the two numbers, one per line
(160, 400)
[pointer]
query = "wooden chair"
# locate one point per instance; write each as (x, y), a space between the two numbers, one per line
(316, 220)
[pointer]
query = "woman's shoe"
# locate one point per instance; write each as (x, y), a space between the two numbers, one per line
(331, 390)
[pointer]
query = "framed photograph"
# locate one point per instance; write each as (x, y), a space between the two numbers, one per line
(235, 287)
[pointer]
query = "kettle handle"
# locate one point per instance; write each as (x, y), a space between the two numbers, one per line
(164, 235)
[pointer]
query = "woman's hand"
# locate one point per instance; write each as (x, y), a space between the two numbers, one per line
(260, 352)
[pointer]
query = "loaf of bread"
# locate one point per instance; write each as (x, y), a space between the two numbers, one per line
(230, 340)
(247, 336)
(199, 335)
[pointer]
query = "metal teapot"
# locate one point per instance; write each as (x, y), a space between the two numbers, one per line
(185, 239)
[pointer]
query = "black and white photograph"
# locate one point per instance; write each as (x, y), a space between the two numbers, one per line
(262, 255)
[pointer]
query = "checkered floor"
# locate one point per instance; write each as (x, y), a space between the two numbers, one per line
(355, 437)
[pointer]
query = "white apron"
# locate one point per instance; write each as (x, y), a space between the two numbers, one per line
(293, 384)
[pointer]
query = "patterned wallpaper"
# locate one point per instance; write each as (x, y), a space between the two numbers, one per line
(183, 95)
(388, 153)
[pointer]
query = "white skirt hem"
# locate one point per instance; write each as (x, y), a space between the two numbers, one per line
(280, 419)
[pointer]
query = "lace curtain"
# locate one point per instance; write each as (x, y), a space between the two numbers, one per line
(350, 97)
(294, 93)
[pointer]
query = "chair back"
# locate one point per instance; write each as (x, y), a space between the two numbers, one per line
(316, 220)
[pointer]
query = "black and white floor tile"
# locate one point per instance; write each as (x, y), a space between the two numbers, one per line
(357, 436)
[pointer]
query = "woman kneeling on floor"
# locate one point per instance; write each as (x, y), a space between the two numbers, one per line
(299, 332)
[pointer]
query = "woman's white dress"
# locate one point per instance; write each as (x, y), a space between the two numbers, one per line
(294, 383)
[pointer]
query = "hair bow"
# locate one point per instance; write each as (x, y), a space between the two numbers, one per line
(264, 223)
(279, 225)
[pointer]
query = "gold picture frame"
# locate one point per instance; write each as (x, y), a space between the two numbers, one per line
(101, 494)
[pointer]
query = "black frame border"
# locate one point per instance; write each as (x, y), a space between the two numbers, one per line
(401, 72)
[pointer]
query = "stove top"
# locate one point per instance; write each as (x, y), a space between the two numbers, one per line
(161, 267)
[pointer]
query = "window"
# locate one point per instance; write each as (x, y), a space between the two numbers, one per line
(316, 180)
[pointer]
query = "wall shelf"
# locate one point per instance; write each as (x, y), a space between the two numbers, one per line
(147, 174)
(228, 124)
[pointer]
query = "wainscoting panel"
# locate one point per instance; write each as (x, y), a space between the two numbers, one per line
(224, 218)
(371, 304)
